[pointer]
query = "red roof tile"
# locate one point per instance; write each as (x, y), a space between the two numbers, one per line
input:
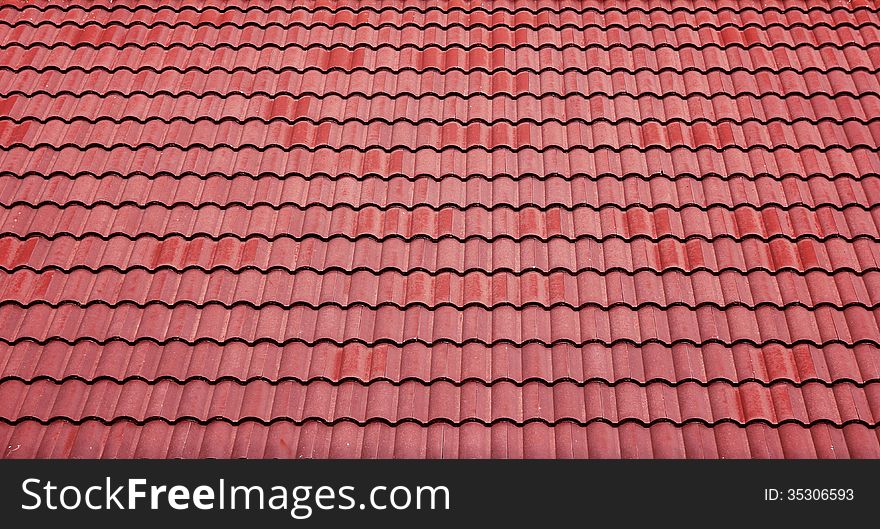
(455, 229)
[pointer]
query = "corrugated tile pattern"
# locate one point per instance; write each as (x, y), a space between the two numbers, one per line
(440, 229)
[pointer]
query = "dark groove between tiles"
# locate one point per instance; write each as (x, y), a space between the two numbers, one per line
(647, 176)
(859, 272)
(460, 382)
(329, 48)
(215, 237)
(375, 306)
(293, 271)
(441, 97)
(715, 10)
(297, 24)
(847, 344)
(388, 149)
(438, 420)
(442, 206)
(454, 69)
(105, 120)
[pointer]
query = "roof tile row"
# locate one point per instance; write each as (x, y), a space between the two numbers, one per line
(500, 14)
(650, 362)
(441, 402)
(390, 324)
(445, 255)
(628, 82)
(584, 108)
(572, 59)
(633, 192)
(586, 35)
(450, 136)
(310, 288)
(446, 223)
(378, 162)
(158, 439)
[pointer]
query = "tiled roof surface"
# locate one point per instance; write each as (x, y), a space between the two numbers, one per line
(521, 228)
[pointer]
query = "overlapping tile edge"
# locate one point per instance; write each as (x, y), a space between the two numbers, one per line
(827, 337)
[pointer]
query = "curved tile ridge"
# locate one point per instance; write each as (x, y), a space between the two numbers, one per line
(809, 84)
(447, 255)
(630, 192)
(251, 204)
(812, 403)
(329, 161)
(262, 177)
(808, 21)
(509, 7)
(790, 69)
(378, 305)
(351, 43)
(651, 363)
(308, 237)
(189, 439)
(570, 137)
(438, 148)
(289, 288)
(430, 108)
(498, 122)
(311, 420)
(504, 325)
(318, 222)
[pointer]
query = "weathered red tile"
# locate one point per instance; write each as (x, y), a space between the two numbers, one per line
(436, 231)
